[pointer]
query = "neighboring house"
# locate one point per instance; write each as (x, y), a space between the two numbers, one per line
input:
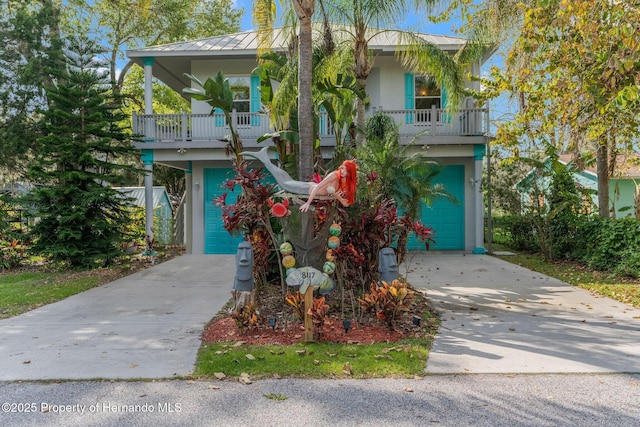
(622, 186)
(162, 210)
(195, 142)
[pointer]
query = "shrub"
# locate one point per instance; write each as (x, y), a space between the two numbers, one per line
(387, 300)
(12, 253)
(296, 300)
(523, 232)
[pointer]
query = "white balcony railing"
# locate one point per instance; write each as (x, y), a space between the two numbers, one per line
(189, 128)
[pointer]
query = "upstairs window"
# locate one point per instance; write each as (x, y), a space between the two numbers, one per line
(427, 93)
(241, 90)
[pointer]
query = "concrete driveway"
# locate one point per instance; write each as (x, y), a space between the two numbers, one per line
(146, 325)
(498, 317)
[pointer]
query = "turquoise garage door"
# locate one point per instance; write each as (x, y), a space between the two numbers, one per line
(445, 217)
(216, 239)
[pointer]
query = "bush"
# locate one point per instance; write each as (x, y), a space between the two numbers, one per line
(607, 244)
(12, 253)
(523, 232)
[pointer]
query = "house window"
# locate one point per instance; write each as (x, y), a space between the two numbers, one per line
(427, 95)
(241, 91)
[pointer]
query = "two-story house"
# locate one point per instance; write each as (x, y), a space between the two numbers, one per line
(194, 142)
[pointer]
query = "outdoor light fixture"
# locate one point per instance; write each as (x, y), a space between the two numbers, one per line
(347, 325)
(182, 150)
(196, 184)
(416, 320)
(272, 323)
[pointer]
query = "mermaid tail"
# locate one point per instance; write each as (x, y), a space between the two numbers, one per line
(284, 180)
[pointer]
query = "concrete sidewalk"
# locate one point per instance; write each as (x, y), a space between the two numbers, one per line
(498, 317)
(146, 325)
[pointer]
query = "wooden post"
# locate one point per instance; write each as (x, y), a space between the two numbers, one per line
(308, 322)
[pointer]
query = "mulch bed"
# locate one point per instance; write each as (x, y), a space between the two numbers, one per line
(289, 330)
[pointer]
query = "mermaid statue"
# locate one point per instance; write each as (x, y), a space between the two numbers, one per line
(339, 184)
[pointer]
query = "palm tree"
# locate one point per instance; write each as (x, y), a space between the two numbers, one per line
(403, 173)
(364, 19)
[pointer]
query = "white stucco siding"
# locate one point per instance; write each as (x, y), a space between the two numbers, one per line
(390, 83)
(204, 69)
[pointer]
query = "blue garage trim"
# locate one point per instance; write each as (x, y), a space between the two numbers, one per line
(446, 218)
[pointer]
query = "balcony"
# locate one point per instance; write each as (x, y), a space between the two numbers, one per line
(175, 131)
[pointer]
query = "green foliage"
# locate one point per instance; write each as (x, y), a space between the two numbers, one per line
(81, 217)
(522, 232)
(11, 253)
(217, 93)
(381, 127)
(609, 245)
(28, 29)
(565, 204)
(403, 175)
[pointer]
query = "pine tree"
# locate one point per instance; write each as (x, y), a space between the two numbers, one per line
(81, 217)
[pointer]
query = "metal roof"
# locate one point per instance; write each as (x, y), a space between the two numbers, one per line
(160, 195)
(173, 60)
(246, 43)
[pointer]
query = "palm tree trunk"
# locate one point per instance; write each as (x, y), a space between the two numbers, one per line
(361, 70)
(304, 9)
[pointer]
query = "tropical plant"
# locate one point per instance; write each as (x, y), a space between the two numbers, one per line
(296, 300)
(217, 93)
(319, 312)
(387, 300)
(403, 173)
(264, 13)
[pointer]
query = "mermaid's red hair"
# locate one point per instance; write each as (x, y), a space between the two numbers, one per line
(349, 187)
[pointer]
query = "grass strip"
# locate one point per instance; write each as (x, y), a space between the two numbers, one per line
(403, 359)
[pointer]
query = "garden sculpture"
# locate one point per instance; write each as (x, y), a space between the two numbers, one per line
(243, 284)
(387, 265)
(340, 184)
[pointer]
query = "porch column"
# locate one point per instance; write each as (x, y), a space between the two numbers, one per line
(188, 210)
(147, 160)
(147, 155)
(148, 84)
(478, 151)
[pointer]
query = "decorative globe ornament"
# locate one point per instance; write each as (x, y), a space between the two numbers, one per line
(334, 242)
(329, 267)
(286, 248)
(288, 261)
(335, 229)
(330, 256)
